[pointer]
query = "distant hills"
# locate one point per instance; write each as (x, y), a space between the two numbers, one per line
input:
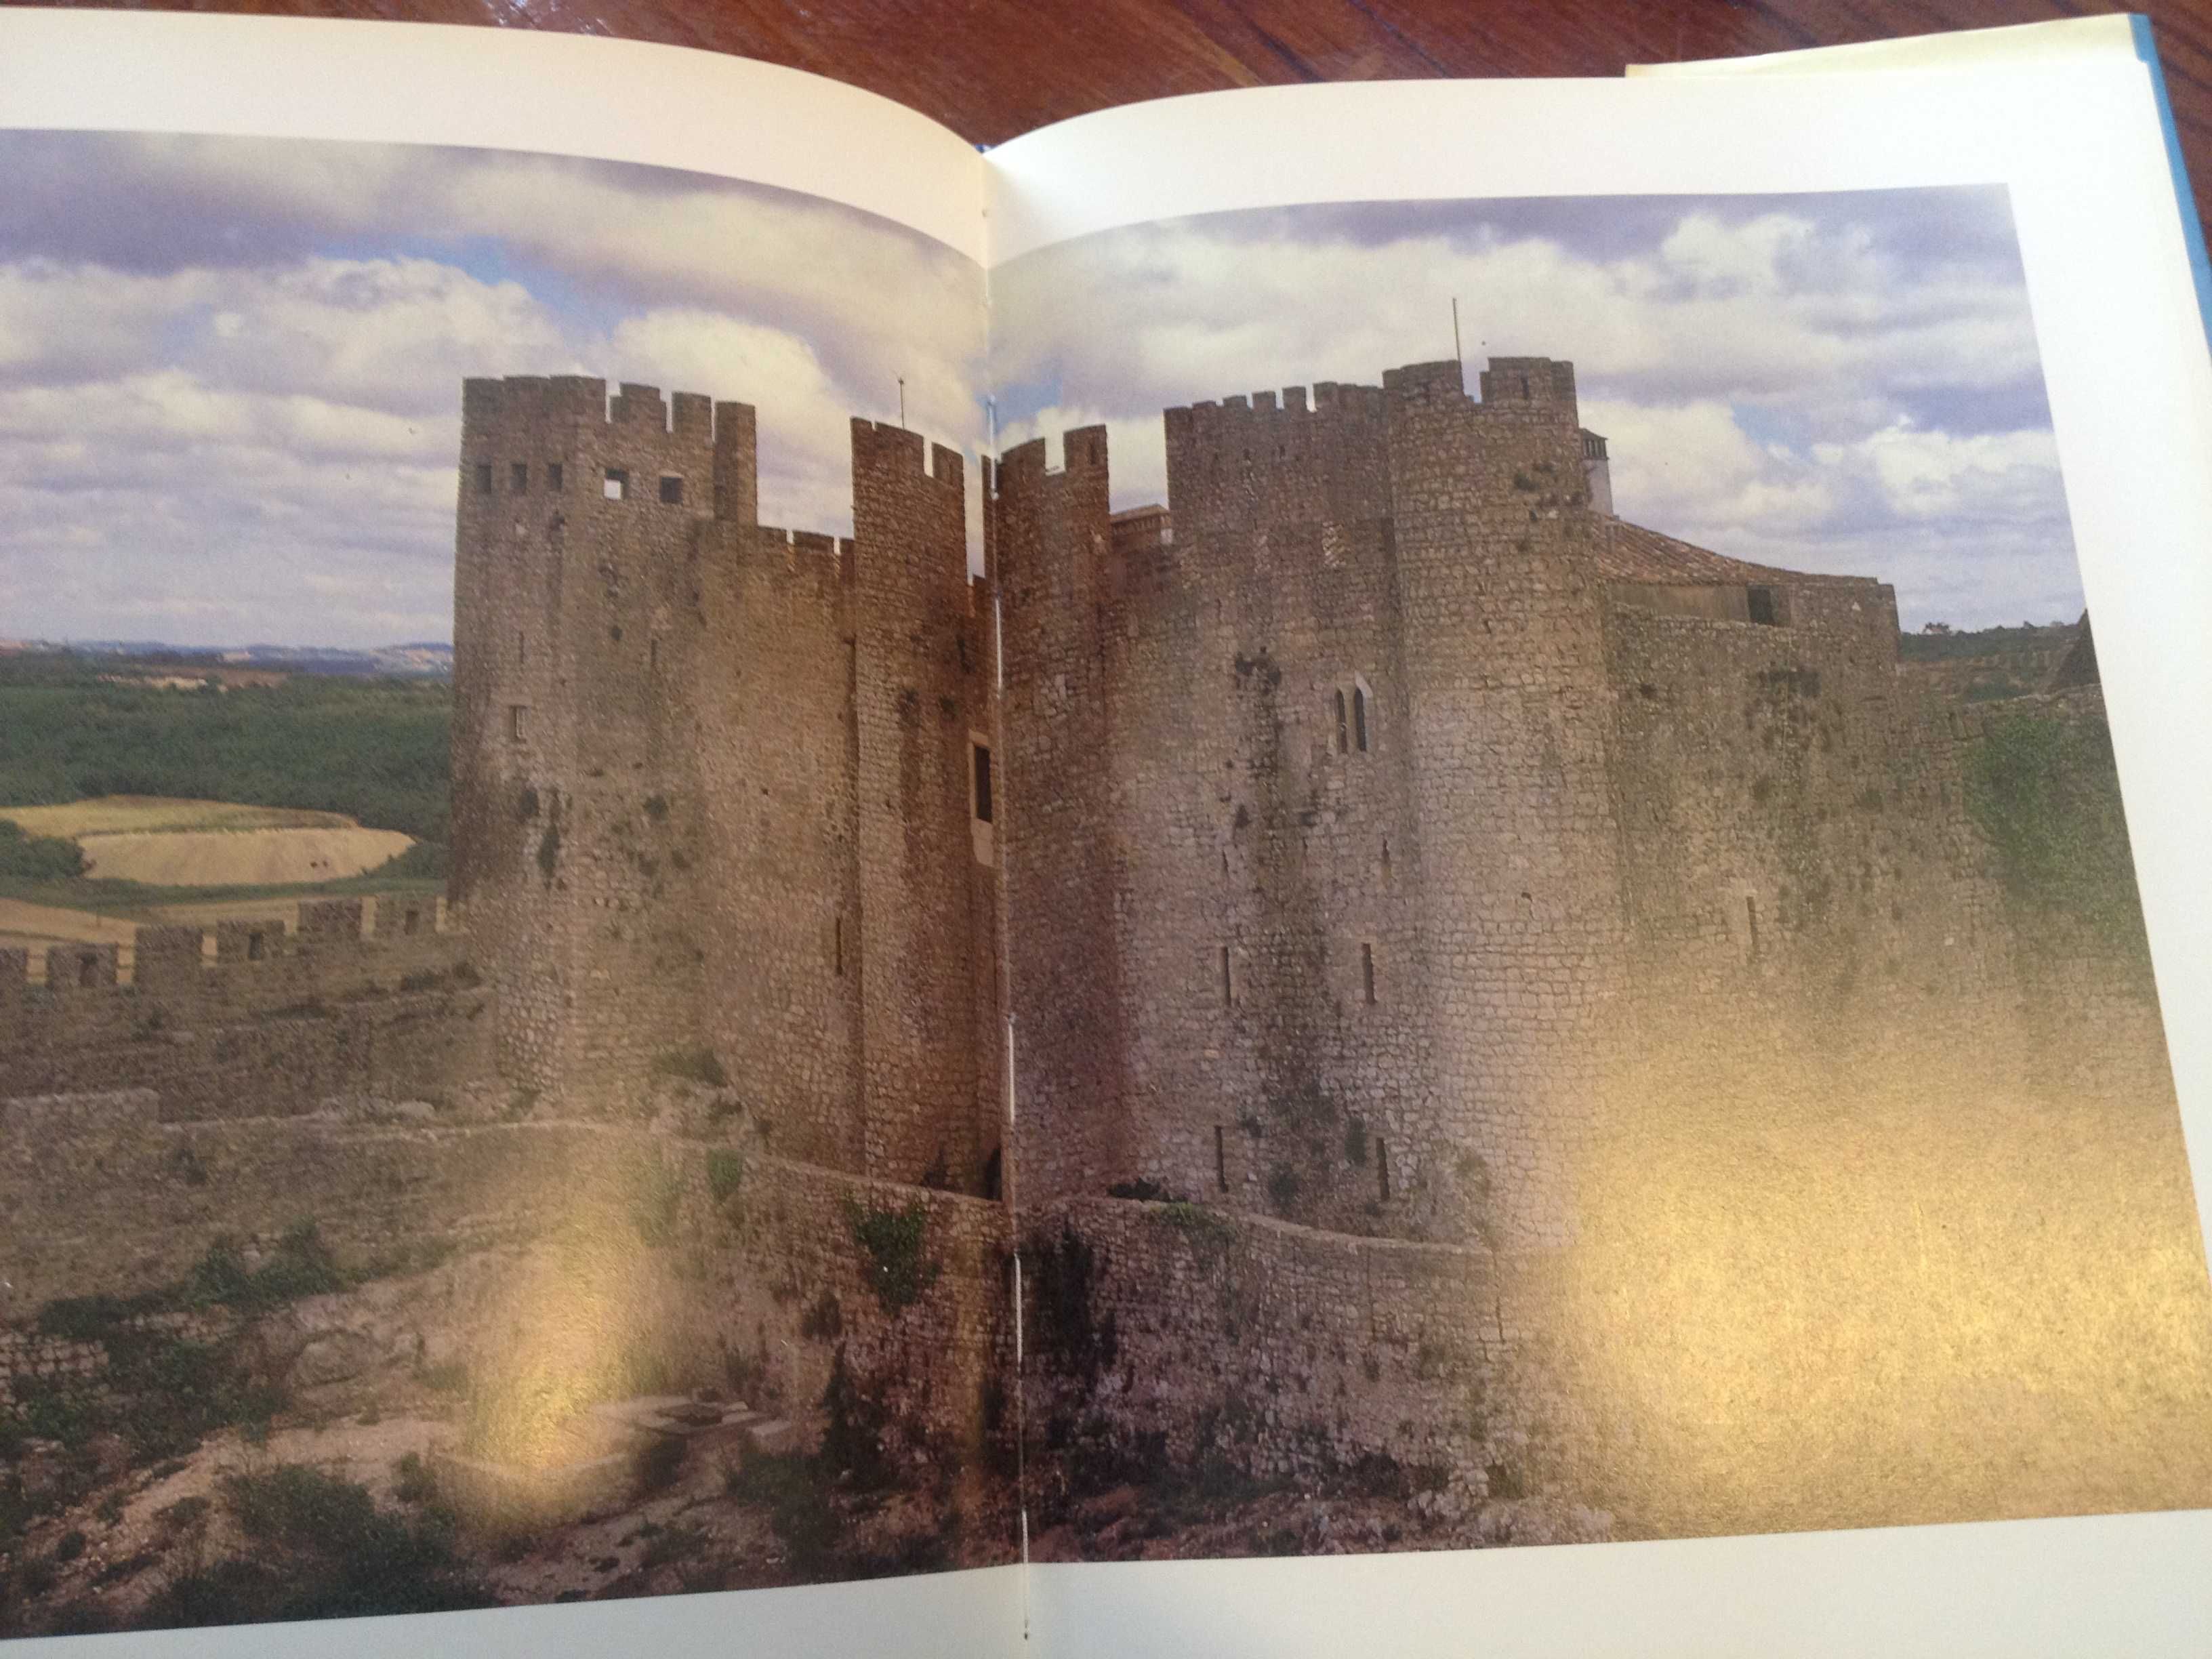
(413, 659)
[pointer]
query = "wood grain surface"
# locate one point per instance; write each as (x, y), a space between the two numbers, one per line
(994, 68)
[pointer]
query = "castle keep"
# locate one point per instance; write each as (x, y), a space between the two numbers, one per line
(721, 789)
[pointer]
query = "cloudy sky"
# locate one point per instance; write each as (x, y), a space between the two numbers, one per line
(1839, 383)
(230, 369)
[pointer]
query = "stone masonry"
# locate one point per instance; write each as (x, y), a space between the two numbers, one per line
(716, 784)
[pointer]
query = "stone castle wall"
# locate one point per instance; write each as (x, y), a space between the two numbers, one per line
(249, 1018)
(1179, 1335)
(725, 805)
(1334, 756)
(720, 1263)
(1367, 824)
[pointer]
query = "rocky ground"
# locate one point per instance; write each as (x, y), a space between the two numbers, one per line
(349, 1516)
(1144, 1523)
(328, 1456)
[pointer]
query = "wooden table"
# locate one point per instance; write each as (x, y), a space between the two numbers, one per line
(994, 68)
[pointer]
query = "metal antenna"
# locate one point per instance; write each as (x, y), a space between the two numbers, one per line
(1458, 356)
(902, 380)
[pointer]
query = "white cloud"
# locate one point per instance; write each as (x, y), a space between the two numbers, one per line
(243, 422)
(1787, 386)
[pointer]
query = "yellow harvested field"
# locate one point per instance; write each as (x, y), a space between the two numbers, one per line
(238, 858)
(108, 815)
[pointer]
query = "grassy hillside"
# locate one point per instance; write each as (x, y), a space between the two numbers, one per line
(374, 749)
(1985, 665)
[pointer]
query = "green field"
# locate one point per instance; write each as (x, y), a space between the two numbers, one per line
(375, 750)
(71, 738)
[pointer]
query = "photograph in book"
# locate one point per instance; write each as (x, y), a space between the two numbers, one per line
(499, 1070)
(1573, 948)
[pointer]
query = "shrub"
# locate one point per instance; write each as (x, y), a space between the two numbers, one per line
(37, 857)
(726, 1173)
(898, 1270)
(795, 1495)
(411, 1480)
(2046, 794)
(321, 1549)
(694, 1065)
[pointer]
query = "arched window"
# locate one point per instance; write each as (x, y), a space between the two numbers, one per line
(1359, 717)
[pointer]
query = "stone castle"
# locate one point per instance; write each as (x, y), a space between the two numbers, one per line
(1238, 923)
(1338, 827)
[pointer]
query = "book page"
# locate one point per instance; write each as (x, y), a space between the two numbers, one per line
(499, 1008)
(1587, 1017)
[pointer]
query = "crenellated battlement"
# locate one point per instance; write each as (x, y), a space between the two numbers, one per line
(332, 945)
(1330, 401)
(888, 450)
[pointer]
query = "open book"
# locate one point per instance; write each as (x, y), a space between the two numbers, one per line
(737, 912)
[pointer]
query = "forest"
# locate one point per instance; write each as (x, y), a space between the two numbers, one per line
(73, 727)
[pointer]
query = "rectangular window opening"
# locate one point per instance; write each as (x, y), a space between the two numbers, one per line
(1383, 1167)
(1359, 718)
(652, 653)
(618, 485)
(983, 783)
(413, 920)
(1228, 991)
(554, 476)
(518, 723)
(837, 946)
(1220, 1157)
(672, 491)
(483, 479)
(253, 947)
(87, 971)
(522, 647)
(1367, 973)
(1761, 604)
(1343, 743)
(1751, 920)
(518, 477)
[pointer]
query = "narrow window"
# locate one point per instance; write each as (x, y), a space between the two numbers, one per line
(414, 920)
(837, 946)
(1359, 718)
(618, 485)
(1383, 1167)
(1367, 973)
(672, 491)
(652, 653)
(1342, 742)
(522, 647)
(1220, 1157)
(1228, 998)
(982, 784)
(553, 477)
(253, 947)
(1386, 861)
(1751, 917)
(483, 479)
(1761, 604)
(519, 476)
(518, 723)
(87, 971)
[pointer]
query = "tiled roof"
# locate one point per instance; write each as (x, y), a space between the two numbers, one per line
(1629, 553)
